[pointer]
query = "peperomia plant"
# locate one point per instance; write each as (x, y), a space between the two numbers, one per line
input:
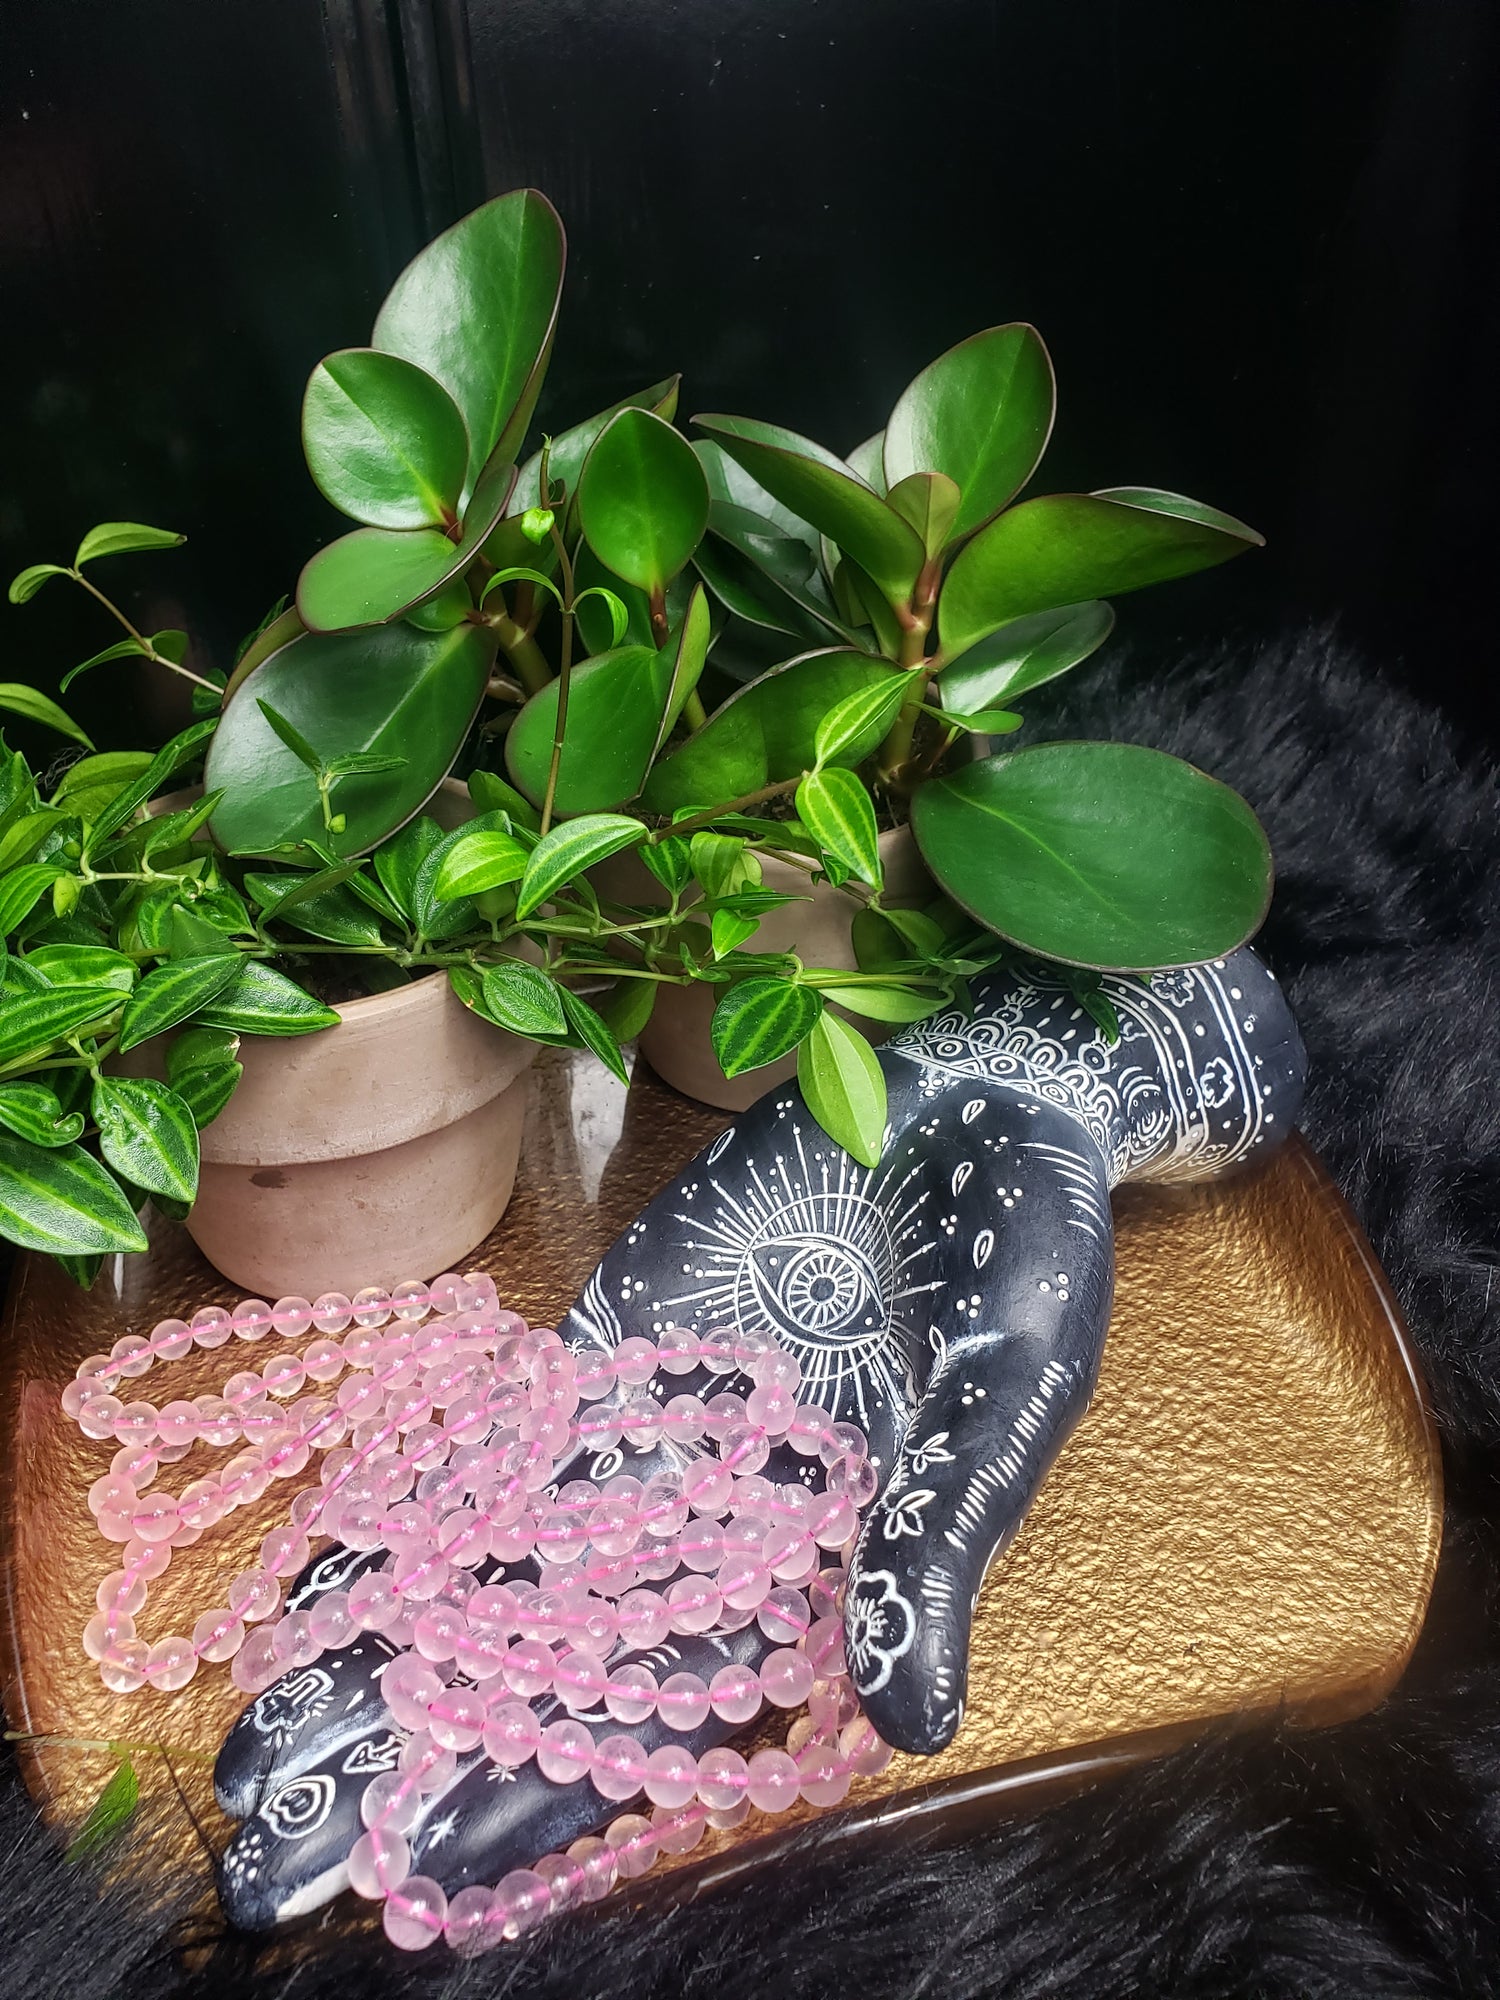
(707, 653)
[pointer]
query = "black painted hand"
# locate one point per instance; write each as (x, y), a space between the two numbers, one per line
(953, 1303)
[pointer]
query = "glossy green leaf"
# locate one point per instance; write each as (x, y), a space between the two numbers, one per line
(723, 864)
(930, 502)
(988, 721)
(394, 692)
(729, 929)
(867, 460)
(476, 309)
(122, 649)
(60, 1199)
(760, 1020)
(781, 568)
(614, 604)
(87, 785)
(450, 606)
(167, 762)
(263, 1001)
(616, 703)
(331, 912)
(835, 808)
(669, 861)
(23, 888)
(593, 1032)
(686, 655)
(207, 1088)
(1102, 854)
(896, 1004)
(434, 919)
(628, 1009)
(841, 1082)
(123, 538)
(199, 1048)
(822, 489)
(377, 574)
(384, 441)
(1024, 654)
(173, 993)
(479, 861)
(18, 699)
(868, 712)
(519, 997)
(570, 850)
(1065, 547)
(766, 733)
(292, 737)
(107, 1814)
(84, 965)
(32, 1024)
(147, 1135)
(491, 793)
(27, 582)
(981, 414)
(595, 620)
(642, 499)
(750, 594)
(273, 635)
(33, 1112)
(567, 451)
(399, 859)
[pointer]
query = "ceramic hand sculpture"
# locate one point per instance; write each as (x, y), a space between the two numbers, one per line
(952, 1303)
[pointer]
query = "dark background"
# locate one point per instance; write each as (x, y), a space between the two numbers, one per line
(1256, 234)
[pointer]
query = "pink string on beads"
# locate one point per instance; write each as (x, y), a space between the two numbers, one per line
(442, 1446)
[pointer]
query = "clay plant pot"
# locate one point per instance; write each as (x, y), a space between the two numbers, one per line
(382, 1149)
(675, 1041)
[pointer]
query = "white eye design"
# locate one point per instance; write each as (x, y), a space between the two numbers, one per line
(820, 1287)
(300, 1807)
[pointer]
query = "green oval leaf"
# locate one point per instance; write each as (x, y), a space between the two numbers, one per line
(760, 1020)
(567, 451)
(981, 414)
(90, 783)
(1099, 854)
(438, 920)
(147, 1135)
(206, 1089)
(823, 490)
(1068, 546)
(31, 1025)
(930, 502)
(901, 1004)
(122, 649)
(571, 850)
(519, 997)
(33, 1112)
(263, 1001)
(379, 574)
(27, 582)
(84, 965)
(476, 309)
(615, 706)
(593, 1032)
(60, 1199)
(642, 499)
(22, 889)
(479, 861)
(174, 991)
(384, 441)
(199, 1048)
(835, 808)
(1023, 654)
(393, 692)
(767, 732)
(123, 538)
(842, 1084)
(22, 700)
(868, 712)
(399, 859)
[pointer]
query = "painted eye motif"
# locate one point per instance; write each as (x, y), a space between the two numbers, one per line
(300, 1807)
(826, 1289)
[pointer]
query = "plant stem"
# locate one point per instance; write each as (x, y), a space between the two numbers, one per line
(158, 659)
(523, 652)
(693, 712)
(661, 630)
(915, 620)
(735, 805)
(564, 676)
(114, 1747)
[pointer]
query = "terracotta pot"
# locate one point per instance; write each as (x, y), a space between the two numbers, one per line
(675, 1041)
(384, 1148)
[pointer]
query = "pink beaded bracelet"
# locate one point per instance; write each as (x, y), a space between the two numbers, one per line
(441, 1446)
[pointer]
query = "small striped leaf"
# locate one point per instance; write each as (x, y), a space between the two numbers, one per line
(571, 849)
(844, 1088)
(31, 1025)
(519, 997)
(62, 1200)
(33, 1112)
(262, 1001)
(173, 992)
(147, 1135)
(835, 808)
(760, 1020)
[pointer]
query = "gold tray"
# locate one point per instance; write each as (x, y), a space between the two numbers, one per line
(1246, 1522)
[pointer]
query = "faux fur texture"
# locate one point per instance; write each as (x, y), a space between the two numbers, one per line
(1357, 1861)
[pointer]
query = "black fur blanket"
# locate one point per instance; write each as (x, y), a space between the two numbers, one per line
(1359, 1861)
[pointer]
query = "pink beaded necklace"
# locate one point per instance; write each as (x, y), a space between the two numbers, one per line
(441, 1446)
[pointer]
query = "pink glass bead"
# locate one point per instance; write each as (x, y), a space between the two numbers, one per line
(777, 1369)
(122, 1666)
(407, 1687)
(252, 1319)
(634, 1841)
(97, 1417)
(734, 1694)
(78, 1392)
(564, 1879)
(784, 1616)
(330, 1620)
(470, 1925)
(284, 1551)
(631, 1695)
(695, 1604)
(823, 1776)
(600, 1869)
(723, 1779)
(791, 1553)
(644, 1620)
(671, 1776)
(717, 1350)
(410, 1301)
(743, 1581)
(171, 1338)
(565, 1752)
(437, 1631)
(677, 1351)
(683, 1702)
(856, 1479)
(374, 1601)
(372, 1306)
(618, 1767)
(511, 1733)
(456, 1718)
(122, 1592)
(773, 1781)
(522, 1899)
(132, 1356)
(211, 1327)
(580, 1680)
(171, 1664)
(635, 1361)
(786, 1678)
(701, 1547)
(379, 1861)
(105, 1630)
(744, 1447)
(825, 1648)
(179, 1422)
(291, 1316)
(678, 1830)
(392, 1801)
(415, 1913)
(862, 1750)
(332, 1312)
(255, 1665)
(292, 1642)
(254, 1595)
(218, 1635)
(427, 1761)
(708, 1486)
(155, 1518)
